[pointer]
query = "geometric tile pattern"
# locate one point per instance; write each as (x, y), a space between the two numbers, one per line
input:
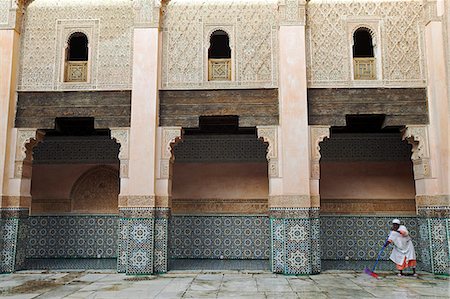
(140, 246)
(360, 237)
(161, 245)
(8, 230)
(435, 243)
(74, 236)
(136, 232)
(13, 233)
(122, 245)
(295, 245)
(216, 237)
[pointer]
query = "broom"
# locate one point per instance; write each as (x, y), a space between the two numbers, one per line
(372, 272)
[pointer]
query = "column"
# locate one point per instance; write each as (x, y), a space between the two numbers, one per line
(137, 195)
(167, 138)
(294, 220)
(431, 150)
(15, 196)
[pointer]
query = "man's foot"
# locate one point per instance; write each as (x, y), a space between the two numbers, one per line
(415, 274)
(399, 274)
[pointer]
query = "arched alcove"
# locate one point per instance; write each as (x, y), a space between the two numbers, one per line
(96, 191)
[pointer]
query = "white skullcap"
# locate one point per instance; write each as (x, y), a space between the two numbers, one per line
(396, 221)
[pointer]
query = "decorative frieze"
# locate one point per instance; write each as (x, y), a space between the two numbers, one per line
(222, 206)
(294, 212)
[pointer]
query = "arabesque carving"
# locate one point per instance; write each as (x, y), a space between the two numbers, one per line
(317, 135)
(185, 28)
(269, 134)
(417, 136)
(48, 23)
(122, 136)
(26, 140)
(292, 12)
(170, 136)
(401, 61)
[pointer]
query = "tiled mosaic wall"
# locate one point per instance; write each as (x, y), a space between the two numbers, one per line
(13, 234)
(360, 237)
(213, 237)
(295, 240)
(160, 255)
(434, 234)
(73, 236)
(136, 241)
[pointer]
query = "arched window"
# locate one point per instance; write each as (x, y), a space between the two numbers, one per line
(363, 55)
(77, 56)
(219, 57)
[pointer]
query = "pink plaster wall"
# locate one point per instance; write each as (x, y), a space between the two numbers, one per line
(220, 180)
(367, 180)
(51, 185)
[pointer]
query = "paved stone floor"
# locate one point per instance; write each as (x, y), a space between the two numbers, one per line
(223, 284)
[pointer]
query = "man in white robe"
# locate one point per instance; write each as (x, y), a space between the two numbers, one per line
(403, 253)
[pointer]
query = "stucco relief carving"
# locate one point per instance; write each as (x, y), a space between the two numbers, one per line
(317, 135)
(64, 29)
(400, 42)
(147, 12)
(417, 136)
(184, 42)
(292, 12)
(11, 13)
(170, 136)
(26, 140)
(122, 136)
(269, 134)
(42, 43)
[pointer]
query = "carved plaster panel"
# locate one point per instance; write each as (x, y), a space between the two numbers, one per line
(417, 136)
(64, 29)
(44, 34)
(25, 141)
(11, 13)
(186, 25)
(400, 40)
(170, 136)
(146, 13)
(292, 12)
(269, 134)
(122, 136)
(317, 135)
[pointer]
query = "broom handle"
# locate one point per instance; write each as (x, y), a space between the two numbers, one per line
(379, 254)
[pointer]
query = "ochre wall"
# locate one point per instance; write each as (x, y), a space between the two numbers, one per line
(220, 187)
(51, 187)
(363, 187)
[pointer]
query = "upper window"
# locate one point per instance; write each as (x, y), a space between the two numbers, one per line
(363, 55)
(77, 56)
(219, 57)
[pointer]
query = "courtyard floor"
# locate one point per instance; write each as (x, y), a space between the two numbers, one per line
(220, 284)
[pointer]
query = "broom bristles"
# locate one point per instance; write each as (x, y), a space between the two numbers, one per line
(371, 273)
